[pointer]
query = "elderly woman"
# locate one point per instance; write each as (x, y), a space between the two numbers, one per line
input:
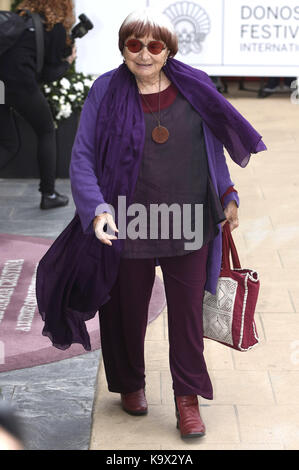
(151, 133)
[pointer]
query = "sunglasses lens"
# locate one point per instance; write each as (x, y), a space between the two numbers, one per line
(134, 45)
(155, 47)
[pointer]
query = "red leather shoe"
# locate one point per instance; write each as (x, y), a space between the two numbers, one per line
(134, 403)
(189, 421)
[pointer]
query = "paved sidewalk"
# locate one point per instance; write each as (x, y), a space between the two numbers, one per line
(256, 404)
(53, 401)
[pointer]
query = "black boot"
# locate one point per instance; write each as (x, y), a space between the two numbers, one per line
(49, 202)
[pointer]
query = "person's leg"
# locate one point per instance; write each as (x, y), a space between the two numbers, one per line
(272, 84)
(34, 108)
(123, 322)
(288, 81)
(184, 280)
(8, 132)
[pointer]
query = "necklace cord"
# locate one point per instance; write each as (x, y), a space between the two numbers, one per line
(160, 134)
(159, 103)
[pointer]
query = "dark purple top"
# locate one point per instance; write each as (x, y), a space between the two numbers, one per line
(175, 172)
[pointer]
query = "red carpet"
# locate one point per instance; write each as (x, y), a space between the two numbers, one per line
(21, 342)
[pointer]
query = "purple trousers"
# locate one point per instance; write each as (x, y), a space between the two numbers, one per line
(123, 322)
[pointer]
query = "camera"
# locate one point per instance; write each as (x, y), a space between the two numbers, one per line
(82, 28)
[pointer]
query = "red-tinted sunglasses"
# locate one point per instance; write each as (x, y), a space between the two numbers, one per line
(154, 47)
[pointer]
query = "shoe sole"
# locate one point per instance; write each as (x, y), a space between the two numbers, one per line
(190, 436)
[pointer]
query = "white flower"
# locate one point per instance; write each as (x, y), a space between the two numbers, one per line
(63, 91)
(65, 83)
(47, 89)
(79, 86)
(65, 111)
(55, 98)
(62, 100)
(72, 97)
(87, 82)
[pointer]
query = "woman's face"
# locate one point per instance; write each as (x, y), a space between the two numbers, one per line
(143, 64)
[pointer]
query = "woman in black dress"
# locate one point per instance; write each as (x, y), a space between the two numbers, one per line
(23, 93)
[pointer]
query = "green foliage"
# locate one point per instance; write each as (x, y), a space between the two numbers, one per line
(14, 4)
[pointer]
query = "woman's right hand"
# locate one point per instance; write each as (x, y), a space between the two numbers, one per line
(98, 224)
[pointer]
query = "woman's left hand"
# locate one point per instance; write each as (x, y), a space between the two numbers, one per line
(231, 214)
(70, 59)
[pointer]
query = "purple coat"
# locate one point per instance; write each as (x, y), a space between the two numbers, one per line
(75, 276)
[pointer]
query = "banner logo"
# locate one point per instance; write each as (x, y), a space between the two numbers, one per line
(192, 25)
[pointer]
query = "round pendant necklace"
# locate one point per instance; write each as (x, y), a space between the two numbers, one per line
(160, 133)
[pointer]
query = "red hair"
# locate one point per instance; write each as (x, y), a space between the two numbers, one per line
(55, 11)
(140, 29)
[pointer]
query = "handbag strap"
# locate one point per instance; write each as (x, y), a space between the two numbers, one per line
(228, 246)
(39, 38)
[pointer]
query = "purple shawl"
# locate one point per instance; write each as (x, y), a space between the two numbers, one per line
(121, 123)
(76, 274)
(237, 135)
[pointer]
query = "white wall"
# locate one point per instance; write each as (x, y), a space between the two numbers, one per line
(98, 51)
(5, 4)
